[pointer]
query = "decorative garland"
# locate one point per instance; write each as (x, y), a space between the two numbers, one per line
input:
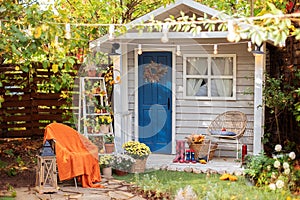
(154, 72)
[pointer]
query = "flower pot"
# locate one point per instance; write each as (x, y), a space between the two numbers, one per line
(104, 128)
(107, 171)
(109, 148)
(120, 173)
(90, 129)
(139, 166)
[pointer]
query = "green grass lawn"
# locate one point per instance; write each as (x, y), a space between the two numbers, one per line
(206, 187)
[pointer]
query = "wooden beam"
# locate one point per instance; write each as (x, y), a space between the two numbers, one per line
(258, 103)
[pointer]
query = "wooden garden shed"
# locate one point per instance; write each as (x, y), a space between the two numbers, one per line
(174, 84)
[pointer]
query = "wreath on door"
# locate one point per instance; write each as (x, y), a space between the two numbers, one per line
(154, 72)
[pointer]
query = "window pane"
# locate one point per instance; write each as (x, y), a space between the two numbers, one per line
(196, 87)
(221, 87)
(196, 66)
(222, 66)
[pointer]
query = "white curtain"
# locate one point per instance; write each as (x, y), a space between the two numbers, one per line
(195, 66)
(222, 66)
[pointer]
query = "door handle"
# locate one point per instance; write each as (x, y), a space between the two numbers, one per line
(169, 103)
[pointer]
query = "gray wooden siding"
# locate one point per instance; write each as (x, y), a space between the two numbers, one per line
(194, 116)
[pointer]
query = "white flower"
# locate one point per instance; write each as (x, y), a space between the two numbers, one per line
(292, 155)
(287, 171)
(285, 165)
(272, 186)
(276, 164)
(269, 168)
(278, 147)
(186, 194)
(279, 184)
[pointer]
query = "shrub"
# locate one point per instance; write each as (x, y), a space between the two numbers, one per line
(276, 172)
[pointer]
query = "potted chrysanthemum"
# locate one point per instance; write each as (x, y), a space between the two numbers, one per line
(122, 163)
(105, 162)
(140, 152)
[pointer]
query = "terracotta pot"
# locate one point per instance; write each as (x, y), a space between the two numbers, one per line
(104, 128)
(120, 173)
(109, 148)
(90, 129)
(107, 171)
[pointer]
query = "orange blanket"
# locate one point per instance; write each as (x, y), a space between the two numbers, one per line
(76, 156)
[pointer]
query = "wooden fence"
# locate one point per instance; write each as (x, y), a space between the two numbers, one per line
(26, 110)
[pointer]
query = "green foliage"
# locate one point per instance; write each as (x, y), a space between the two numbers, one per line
(277, 95)
(269, 23)
(109, 138)
(20, 161)
(9, 152)
(12, 171)
(230, 7)
(277, 172)
(3, 164)
(257, 167)
(296, 111)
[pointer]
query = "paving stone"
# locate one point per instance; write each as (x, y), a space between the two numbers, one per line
(120, 195)
(123, 188)
(137, 198)
(115, 181)
(188, 169)
(197, 171)
(238, 173)
(113, 186)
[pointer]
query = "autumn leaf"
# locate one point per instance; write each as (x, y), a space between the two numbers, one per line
(37, 32)
(55, 68)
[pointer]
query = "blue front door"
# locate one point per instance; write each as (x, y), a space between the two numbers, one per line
(155, 100)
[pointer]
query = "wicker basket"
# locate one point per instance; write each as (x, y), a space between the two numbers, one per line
(201, 150)
(139, 166)
(213, 148)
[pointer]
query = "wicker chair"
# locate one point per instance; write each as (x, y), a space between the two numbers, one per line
(229, 125)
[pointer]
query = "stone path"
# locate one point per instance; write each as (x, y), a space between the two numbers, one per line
(114, 189)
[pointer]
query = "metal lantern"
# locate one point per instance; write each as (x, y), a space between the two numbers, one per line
(46, 176)
(115, 46)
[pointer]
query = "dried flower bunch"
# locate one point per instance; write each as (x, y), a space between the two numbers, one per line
(136, 149)
(195, 139)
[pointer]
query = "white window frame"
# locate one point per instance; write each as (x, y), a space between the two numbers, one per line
(209, 76)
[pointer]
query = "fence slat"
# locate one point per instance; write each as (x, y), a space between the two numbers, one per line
(25, 112)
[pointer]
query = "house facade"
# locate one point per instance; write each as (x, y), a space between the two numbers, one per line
(174, 84)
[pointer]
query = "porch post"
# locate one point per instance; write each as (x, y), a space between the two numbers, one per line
(258, 103)
(117, 104)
